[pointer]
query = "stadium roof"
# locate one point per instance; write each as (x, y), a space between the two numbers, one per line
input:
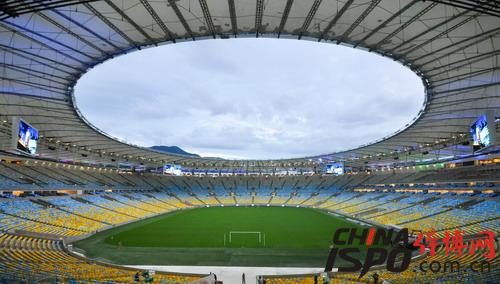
(45, 46)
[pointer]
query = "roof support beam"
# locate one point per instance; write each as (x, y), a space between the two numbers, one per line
(40, 86)
(465, 61)
(259, 13)
(438, 126)
(439, 120)
(491, 8)
(459, 111)
(468, 61)
(358, 21)
(443, 33)
(21, 7)
(208, 18)
(335, 19)
(30, 56)
(309, 18)
(456, 102)
(36, 73)
(232, 14)
(435, 133)
(111, 25)
(284, 17)
(5, 26)
(158, 20)
(449, 96)
(446, 105)
(70, 32)
(402, 27)
(181, 18)
(43, 104)
(469, 88)
(130, 21)
(463, 76)
(384, 24)
(47, 132)
(65, 124)
(428, 30)
(482, 37)
(30, 72)
(51, 116)
(86, 29)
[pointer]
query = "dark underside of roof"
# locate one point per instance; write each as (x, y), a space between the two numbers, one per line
(45, 46)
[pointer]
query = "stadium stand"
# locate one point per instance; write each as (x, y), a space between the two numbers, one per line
(33, 221)
(38, 260)
(77, 185)
(418, 272)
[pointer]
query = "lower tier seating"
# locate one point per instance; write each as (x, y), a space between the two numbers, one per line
(46, 261)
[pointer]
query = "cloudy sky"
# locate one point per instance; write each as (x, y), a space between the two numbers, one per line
(249, 98)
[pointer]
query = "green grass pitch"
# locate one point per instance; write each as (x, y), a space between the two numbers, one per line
(277, 236)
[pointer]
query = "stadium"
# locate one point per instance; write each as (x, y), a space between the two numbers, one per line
(418, 206)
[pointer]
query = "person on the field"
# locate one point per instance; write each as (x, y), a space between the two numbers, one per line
(243, 279)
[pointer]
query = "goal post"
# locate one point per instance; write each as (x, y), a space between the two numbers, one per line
(245, 232)
(245, 239)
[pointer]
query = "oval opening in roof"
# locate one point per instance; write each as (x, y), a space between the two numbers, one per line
(250, 98)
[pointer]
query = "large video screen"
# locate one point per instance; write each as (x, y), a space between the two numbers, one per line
(27, 137)
(480, 133)
(335, 169)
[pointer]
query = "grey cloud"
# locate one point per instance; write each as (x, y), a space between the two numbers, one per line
(250, 98)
